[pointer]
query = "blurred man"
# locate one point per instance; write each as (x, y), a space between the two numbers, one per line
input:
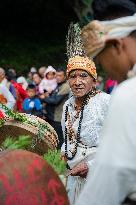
(20, 92)
(6, 97)
(55, 101)
(3, 79)
(113, 45)
(6, 83)
(41, 71)
(112, 9)
(37, 81)
(33, 70)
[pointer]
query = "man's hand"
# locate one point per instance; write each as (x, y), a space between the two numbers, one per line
(63, 157)
(44, 95)
(80, 170)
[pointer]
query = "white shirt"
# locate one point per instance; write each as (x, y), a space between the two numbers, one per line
(4, 82)
(9, 97)
(114, 177)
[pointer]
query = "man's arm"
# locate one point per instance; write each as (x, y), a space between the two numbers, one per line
(55, 99)
(38, 104)
(58, 97)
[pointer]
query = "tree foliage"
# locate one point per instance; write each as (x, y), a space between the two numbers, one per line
(33, 32)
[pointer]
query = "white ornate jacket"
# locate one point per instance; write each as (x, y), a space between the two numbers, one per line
(93, 118)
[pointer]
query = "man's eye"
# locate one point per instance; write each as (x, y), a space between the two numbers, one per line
(84, 75)
(72, 75)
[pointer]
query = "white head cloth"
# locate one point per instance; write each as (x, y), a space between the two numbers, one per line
(96, 33)
(21, 80)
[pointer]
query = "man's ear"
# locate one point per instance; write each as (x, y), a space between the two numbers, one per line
(94, 82)
(117, 44)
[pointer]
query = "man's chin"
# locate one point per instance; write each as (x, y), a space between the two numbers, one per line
(79, 95)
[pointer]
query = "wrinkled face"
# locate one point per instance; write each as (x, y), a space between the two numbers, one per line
(80, 83)
(114, 60)
(31, 93)
(60, 77)
(50, 75)
(36, 79)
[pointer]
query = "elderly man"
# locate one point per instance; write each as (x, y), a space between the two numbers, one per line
(6, 83)
(113, 45)
(3, 79)
(41, 71)
(6, 97)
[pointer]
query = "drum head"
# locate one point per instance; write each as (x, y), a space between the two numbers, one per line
(26, 178)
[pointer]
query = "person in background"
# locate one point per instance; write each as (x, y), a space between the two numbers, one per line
(111, 9)
(33, 70)
(32, 105)
(36, 80)
(49, 83)
(14, 74)
(29, 78)
(114, 177)
(22, 81)
(41, 71)
(3, 79)
(55, 101)
(20, 92)
(5, 82)
(110, 85)
(6, 97)
(100, 83)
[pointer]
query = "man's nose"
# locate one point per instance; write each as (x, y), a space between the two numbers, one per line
(78, 80)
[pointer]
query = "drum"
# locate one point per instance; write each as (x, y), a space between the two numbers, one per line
(27, 179)
(43, 135)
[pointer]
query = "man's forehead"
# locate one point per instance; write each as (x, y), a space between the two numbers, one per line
(60, 72)
(78, 71)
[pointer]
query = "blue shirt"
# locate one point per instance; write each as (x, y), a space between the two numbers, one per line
(32, 104)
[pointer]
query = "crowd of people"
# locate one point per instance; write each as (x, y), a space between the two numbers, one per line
(42, 93)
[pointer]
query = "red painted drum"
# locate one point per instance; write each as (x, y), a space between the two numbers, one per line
(26, 179)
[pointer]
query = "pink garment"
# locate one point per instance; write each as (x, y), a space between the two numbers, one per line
(110, 83)
(46, 84)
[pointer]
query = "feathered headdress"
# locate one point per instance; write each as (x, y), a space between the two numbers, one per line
(77, 58)
(74, 41)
